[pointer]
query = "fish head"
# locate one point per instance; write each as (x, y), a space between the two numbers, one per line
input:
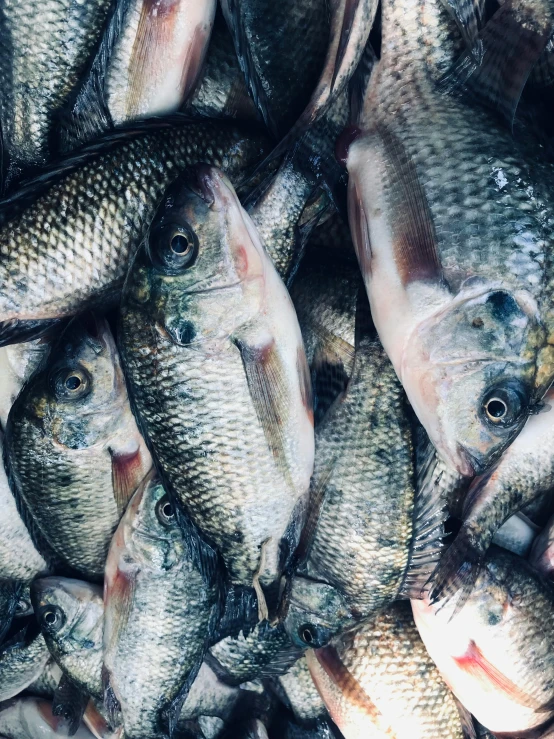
(201, 271)
(315, 612)
(78, 395)
(469, 373)
(151, 528)
(70, 613)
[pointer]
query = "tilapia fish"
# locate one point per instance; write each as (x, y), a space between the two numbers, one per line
(66, 240)
(379, 682)
(369, 537)
(71, 616)
(22, 660)
(29, 718)
(496, 652)
(162, 603)
(457, 268)
(147, 63)
(523, 473)
(74, 452)
(218, 376)
(45, 47)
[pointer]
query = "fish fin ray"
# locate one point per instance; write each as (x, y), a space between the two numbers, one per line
(127, 474)
(70, 702)
(111, 703)
(468, 16)
(15, 331)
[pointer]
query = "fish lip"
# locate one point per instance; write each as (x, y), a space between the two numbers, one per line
(469, 464)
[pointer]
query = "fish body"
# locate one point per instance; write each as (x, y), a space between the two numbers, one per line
(466, 321)
(495, 652)
(29, 718)
(218, 376)
(378, 681)
(68, 241)
(71, 616)
(162, 603)
(45, 47)
(73, 441)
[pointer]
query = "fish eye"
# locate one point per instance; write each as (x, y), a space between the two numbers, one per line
(23, 607)
(504, 405)
(52, 618)
(173, 246)
(313, 636)
(71, 383)
(166, 511)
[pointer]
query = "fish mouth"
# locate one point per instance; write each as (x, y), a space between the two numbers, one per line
(467, 463)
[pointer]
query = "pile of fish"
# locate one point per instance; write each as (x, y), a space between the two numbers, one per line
(276, 357)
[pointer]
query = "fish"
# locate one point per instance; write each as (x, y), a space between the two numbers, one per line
(71, 616)
(523, 473)
(162, 600)
(147, 64)
(494, 653)
(66, 239)
(378, 681)
(45, 49)
(74, 452)
(19, 557)
(466, 322)
(30, 717)
(22, 660)
(297, 690)
(218, 379)
(371, 536)
(17, 364)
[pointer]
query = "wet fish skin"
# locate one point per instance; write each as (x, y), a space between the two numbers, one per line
(157, 564)
(107, 196)
(22, 660)
(495, 653)
(72, 440)
(9, 598)
(27, 718)
(45, 47)
(220, 327)
(71, 617)
(301, 694)
(47, 682)
(443, 299)
(365, 698)
(17, 364)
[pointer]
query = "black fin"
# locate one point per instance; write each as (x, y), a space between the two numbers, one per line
(111, 704)
(469, 17)
(15, 331)
(413, 234)
(240, 613)
(70, 702)
(495, 70)
(430, 515)
(466, 719)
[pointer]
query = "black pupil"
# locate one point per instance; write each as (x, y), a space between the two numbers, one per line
(50, 617)
(167, 510)
(179, 244)
(307, 636)
(496, 408)
(73, 382)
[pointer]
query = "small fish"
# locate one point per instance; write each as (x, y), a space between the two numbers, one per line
(466, 321)
(66, 239)
(162, 603)
(218, 377)
(43, 53)
(74, 452)
(29, 718)
(523, 473)
(22, 660)
(71, 616)
(371, 536)
(496, 652)
(147, 64)
(378, 681)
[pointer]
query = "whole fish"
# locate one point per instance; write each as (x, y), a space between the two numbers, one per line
(22, 660)
(371, 536)
(71, 617)
(147, 64)
(17, 364)
(29, 718)
(19, 557)
(218, 377)
(495, 653)
(45, 47)
(467, 322)
(162, 604)
(74, 452)
(66, 240)
(525, 471)
(378, 681)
